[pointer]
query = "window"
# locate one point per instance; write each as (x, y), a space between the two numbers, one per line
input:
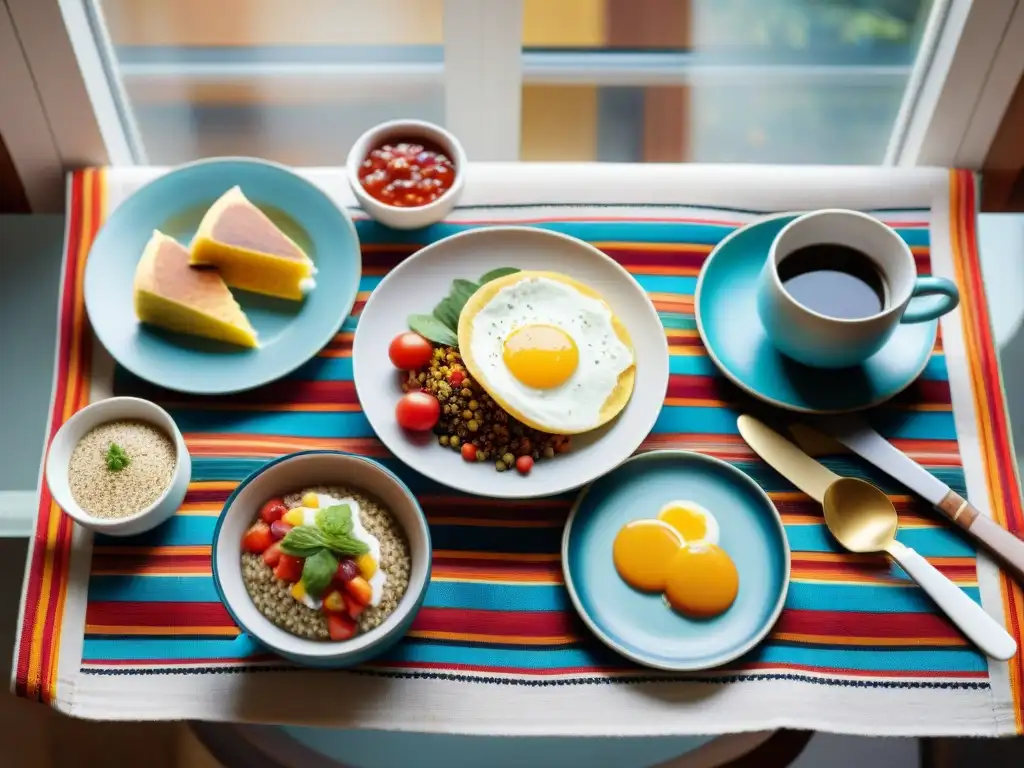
(295, 82)
(769, 81)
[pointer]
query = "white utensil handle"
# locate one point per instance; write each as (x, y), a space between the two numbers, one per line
(981, 628)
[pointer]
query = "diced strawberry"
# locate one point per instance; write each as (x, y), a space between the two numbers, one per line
(289, 568)
(272, 510)
(334, 602)
(360, 590)
(340, 626)
(257, 538)
(352, 606)
(272, 554)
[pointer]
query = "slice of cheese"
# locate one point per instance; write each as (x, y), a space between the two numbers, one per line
(250, 251)
(173, 295)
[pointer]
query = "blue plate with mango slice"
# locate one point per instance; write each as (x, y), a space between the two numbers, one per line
(705, 499)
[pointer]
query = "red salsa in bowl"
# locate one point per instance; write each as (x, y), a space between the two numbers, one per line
(407, 174)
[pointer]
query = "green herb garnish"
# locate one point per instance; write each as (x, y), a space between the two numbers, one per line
(431, 327)
(307, 540)
(442, 326)
(336, 520)
(116, 458)
(317, 571)
(494, 274)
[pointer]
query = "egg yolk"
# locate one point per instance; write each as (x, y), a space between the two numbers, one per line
(541, 356)
(643, 552)
(702, 581)
(689, 522)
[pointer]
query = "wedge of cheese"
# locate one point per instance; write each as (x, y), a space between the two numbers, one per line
(171, 294)
(250, 251)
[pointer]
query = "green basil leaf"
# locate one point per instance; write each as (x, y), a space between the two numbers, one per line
(445, 312)
(317, 572)
(431, 328)
(465, 286)
(494, 274)
(303, 541)
(461, 291)
(347, 545)
(336, 520)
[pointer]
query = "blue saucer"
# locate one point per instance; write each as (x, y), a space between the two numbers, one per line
(290, 332)
(641, 626)
(726, 308)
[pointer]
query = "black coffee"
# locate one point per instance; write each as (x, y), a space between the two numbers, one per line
(834, 280)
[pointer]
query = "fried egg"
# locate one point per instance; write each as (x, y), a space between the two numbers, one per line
(548, 350)
(701, 581)
(693, 522)
(643, 551)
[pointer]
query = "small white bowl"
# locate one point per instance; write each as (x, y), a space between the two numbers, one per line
(102, 412)
(288, 474)
(406, 130)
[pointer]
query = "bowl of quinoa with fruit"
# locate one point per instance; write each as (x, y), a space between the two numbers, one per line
(322, 556)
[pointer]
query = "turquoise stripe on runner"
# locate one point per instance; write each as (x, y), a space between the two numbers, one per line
(197, 530)
(340, 368)
(635, 231)
(426, 652)
(803, 595)
(910, 425)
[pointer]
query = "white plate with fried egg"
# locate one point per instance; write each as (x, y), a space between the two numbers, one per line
(570, 345)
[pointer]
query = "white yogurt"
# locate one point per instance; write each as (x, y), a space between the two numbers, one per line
(379, 578)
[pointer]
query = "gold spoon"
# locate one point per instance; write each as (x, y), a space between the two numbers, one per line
(862, 519)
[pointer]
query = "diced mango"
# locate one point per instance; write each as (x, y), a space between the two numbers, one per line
(311, 500)
(334, 601)
(295, 516)
(360, 590)
(299, 591)
(367, 566)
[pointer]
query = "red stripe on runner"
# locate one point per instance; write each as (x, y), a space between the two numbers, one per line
(23, 686)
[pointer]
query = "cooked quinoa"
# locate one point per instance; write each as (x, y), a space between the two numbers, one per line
(272, 596)
(108, 494)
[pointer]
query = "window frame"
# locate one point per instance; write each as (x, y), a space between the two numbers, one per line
(951, 109)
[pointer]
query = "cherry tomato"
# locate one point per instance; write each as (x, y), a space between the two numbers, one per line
(417, 411)
(409, 351)
(272, 510)
(288, 568)
(257, 538)
(524, 464)
(469, 452)
(455, 378)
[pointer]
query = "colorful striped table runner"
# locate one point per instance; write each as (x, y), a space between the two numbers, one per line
(133, 628)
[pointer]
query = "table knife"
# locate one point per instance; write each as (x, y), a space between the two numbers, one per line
(859, 437)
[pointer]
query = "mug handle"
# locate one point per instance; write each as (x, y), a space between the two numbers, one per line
(931, 286)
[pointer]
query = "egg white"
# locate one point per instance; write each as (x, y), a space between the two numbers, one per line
(712, 532)
(576, 405)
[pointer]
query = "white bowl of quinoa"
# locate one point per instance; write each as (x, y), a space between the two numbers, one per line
(119, 466)
(276, 601)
